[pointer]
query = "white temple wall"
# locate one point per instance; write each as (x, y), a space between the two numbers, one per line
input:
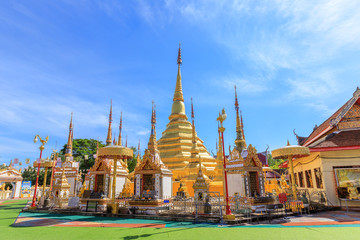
(167, 187)
(236, 184)
(17, 189)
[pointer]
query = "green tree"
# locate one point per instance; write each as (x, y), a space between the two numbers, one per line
(274, 163)
(30, 173)
(132, 162)
(82, 147)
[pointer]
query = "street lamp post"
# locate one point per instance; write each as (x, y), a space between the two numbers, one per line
(42, 147)
(221, 118)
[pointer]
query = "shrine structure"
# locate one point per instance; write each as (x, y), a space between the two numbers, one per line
(107, 177)
(152, 179)
(244, 168)
(69, 166)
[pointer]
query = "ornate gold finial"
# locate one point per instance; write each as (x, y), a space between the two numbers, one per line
(239, 141)
(120, 128)
(178, 96)
(179, 61)
(114, 141)
(138, 155)
(126, 141)
(242, 128)
(152, 145)
(194, 149)
(288, 143)
(68, 151)
(108, 139)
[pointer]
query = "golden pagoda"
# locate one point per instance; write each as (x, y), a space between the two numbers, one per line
(176, 143)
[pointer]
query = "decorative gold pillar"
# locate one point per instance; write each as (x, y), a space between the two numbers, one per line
(44, 184)
(114, 207)
(293, 186)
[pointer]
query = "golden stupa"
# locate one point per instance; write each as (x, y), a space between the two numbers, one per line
(176, 143)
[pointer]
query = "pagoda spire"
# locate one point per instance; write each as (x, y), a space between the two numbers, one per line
(120, 128)
(68, 151)
(178, 107)
(194, 149)
(108, 139)
(239, 141)
(152, 145)
(126, 141)
(138, 160)
(242, 127)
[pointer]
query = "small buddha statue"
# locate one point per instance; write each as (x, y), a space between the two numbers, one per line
(352, 190)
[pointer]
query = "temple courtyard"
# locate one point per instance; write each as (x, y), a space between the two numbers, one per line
(15, 224)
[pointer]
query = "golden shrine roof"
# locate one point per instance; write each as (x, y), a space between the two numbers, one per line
(115, 151)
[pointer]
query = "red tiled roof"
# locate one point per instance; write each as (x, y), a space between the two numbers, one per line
(323, 126)
(341, 139)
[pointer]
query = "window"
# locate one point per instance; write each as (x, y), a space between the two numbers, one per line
(301, 179)
(296, 179)
(318, 178)
(308, 176)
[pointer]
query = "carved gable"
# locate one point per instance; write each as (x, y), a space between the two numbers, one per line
(351, 118)
(252, 159)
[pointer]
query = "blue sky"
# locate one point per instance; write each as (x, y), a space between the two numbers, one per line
(294, 63)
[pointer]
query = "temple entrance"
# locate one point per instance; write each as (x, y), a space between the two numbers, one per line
(99, 183)
(148, 181)
(253, 184)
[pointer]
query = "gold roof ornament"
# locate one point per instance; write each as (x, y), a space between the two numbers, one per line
(108, 139)
(138, 160)
(200, 182)
(194, 149)
(178, 107)
(240, 140)
(152, 145)
(120, 129)
(68, 151)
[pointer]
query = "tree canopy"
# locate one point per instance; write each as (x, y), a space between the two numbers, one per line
(82, 147)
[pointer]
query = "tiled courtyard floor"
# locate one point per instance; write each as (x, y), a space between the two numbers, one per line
(24, 225)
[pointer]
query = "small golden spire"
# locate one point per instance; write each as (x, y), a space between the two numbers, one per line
(178, 96)
(68, 151)
(108, 139)
(179, 61)
(152, 145)
(242, 127)
(239, 141)
(126, 141)
(114, 141)
(138, 155)
(288, 143)
(194, 149)
(120, 128)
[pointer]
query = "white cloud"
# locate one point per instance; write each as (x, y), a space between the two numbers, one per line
(243, 85)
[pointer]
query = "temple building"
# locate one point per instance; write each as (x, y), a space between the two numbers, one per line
(99, 179)
(152, 179)
(69, 166)
(176, 142)
(333, 165)
(244, 169)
